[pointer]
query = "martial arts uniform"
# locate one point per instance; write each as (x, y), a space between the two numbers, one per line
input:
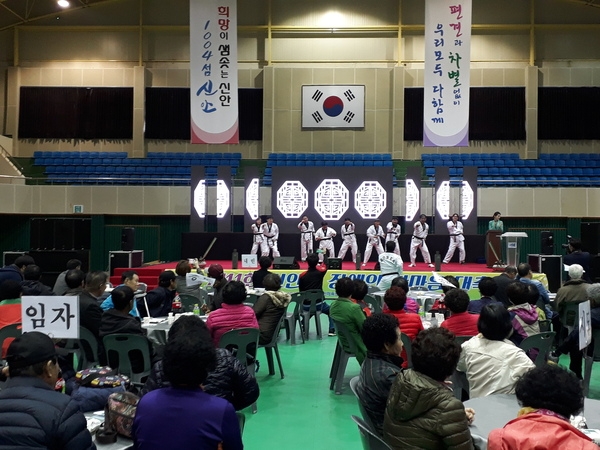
(373, 240)
(271, 234)
(420, 231)
(349, 241)
(257, 238)
(306, 238)
(390, 265)
(325, 240)
(456, 240)
(392, 234)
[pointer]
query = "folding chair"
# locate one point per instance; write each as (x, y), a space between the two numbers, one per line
(363, 411)
(122, 345)
(273, 346)
(541, 342)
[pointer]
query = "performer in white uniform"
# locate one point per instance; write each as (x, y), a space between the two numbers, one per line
(374, 235)
(420, 232)
(457, 239)
(324, 236)
(349, 240)
(257, 236)
(390, 265)
(307, 229)
(270, 233)
(393, 231)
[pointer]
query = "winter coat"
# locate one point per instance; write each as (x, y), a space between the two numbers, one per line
(423, 414)
(268, 309)
(534, 431)
(462, 324)
(230, 380)
(475, 306)
(525, 322)
(377, 374)
(229, 317)
(159, 300)
(31, 287)
(410, 325)
(33, 416)
(349, 314)
(573, 291)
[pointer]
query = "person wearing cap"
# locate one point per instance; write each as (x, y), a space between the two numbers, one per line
(573, 291)
(216, 271)
(374, 235)
(159, 301)
(32, 414)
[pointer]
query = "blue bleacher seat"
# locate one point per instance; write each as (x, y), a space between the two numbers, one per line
(509, 162)
(530, 162)
(357, 157)
(548, 172)
(268, 172)
(536, 172)
(301, 157)
(311, 163)
(512, 155)
(367, 157)
(567, 171)
(485, 156)
(478, 162)
(388, 163)
(310, 157)
(578, 172)
(348, 163)
(468, 162)
(482, 171)
(494, 171)
(377, 157)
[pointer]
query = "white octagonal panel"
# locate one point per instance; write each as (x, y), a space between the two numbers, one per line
(292, 199)
(332, 199)
(252, 199)
(200, 199)
(370, 199)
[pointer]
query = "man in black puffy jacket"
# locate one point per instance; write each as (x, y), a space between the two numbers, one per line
(32, 414)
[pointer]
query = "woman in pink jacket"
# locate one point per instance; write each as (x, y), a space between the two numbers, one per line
(233, 313)
(549, 396)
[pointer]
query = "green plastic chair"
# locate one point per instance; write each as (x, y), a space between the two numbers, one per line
(541, 342)
(122, 345)
(341, 358)
(293, 317)
(273, 346)
(314, 296)
(407, 344)
(10, 331)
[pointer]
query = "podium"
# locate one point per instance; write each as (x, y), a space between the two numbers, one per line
(513, 244)
(493, 249)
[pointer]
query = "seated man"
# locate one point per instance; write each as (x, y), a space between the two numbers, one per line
(313, 279)
(60, 285)
(128, 278)
(487, 289)
(32, 284)
(421, 411)
(461, 323)
(32, 414)
(196, 419)
(15, 271)
(75, 280)
(381, 336)
(350, 314)
(229, 380)
(573, 291)
(258, 276)
(159, 302)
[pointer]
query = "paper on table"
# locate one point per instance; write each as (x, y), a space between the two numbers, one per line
(440, 279)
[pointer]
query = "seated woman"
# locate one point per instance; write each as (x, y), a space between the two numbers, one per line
(439, 306)
(410, 324)
(461, 323)
(524, 316)
(182, 269)
(381, 336)
(270, 307)
(421, 411)
(549, 395)
(183, 415)
(229, 379)
(411, 304)
(493, 364)
(361, 289)
(232, 314)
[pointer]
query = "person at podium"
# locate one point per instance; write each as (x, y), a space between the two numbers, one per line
(496, 224)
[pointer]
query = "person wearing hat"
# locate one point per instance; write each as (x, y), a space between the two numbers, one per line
(574, 290)
(159, 301)
(32, 414)
(216, 271)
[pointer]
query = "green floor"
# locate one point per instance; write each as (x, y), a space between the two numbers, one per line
(301, 413)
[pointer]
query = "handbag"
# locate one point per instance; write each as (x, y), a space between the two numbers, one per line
(101, 377)
(119, 413)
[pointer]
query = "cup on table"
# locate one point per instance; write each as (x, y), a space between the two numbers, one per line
(146, 320)
(439, 317)
(170, 318)
(428, 316)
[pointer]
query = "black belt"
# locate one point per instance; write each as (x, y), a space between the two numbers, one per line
(418, 237)
(325, 239)
(304, 232)
(349, 234)
(459, 234)
(257, 234)
(391, 273)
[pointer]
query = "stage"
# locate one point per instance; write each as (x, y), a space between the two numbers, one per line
(468, 275)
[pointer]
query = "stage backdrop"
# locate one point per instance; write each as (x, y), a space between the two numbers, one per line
(331, 194)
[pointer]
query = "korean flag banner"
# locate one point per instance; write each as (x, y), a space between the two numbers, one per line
(333, 106)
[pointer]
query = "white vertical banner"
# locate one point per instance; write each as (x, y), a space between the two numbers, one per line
(447, 73)
(213, 72)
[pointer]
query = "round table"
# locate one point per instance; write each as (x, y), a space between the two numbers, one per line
(495, 411)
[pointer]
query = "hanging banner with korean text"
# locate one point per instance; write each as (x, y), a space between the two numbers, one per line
(447, 73)
(333, 106)
(58, 317)
(213, 72)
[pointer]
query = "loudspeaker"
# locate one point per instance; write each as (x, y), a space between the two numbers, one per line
(551, 265)
(127, 239)
(547, 243)
(334, 263)
(285, 262)
(590, 237)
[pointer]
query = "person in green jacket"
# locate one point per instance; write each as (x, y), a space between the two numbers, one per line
(348, 313)
(421, 411)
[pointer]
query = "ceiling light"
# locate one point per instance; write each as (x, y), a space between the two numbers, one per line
(63, 3)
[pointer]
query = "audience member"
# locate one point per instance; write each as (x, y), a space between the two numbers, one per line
(214, 302)
(411, 305)
(229, 380)
(182, 269)
(130, 279)
(487, 289)
(361, 289)
(32, 284)
(232, 314)
(507, 277)
(573, 291)
(75, 279)
(313, 279)
(32, 415)
(194, 418)
(461, 323)
(345, 312)
(410, 323)
(526, 276)
(549, 395)
(270, 307)
(15, 271)
(10, 307)
(60, 285)
(533, 296)
(576, 256)
(439, 305)
(381, 336)
(159, 301)
(421, 410)
(524, 316)
(493, 364)
(258, 276)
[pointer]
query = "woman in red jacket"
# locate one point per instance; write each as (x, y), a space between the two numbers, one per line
(410, 324)
(461, 323)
